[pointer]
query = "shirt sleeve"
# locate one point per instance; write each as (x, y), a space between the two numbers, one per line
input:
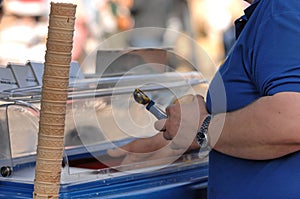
(276, 54)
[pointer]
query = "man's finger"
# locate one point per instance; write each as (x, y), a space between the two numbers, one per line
(117, 152)
(160, 125)
(167, 136)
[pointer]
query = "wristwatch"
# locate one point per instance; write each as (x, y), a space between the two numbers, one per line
(202, 138)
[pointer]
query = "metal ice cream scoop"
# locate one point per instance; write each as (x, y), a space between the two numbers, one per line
(141, 98)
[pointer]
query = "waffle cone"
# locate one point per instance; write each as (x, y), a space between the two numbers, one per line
(51, 141)
(46, 188)
(60, 42)
(55, 82)
(54, 54)
(63, 22)
(65, 66)
(52, 119)
(54, 95)
(51, 153)
(44, 196)
(63, 9)
(57, 78)
(57, 58)
(56, 71)
(59, 35)
(46, 177)
(53, 107)
(46, 165)
(51, 130)
(51, 114)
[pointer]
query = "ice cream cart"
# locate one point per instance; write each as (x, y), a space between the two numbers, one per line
(101, 114)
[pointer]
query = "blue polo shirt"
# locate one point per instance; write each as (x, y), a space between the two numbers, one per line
(264, 61)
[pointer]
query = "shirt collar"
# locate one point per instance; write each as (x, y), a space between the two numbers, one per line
(249, 10)
(241, 22)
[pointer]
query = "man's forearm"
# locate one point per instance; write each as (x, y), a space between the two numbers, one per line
(266, 129)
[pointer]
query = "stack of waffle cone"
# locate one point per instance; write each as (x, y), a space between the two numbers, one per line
(53, 102)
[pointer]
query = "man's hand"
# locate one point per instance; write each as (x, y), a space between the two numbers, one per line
(184, 119)
(149, 151)
(157, 150)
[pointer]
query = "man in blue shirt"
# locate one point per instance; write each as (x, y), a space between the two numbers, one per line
(254, 128)
(257, 155)
(256, 136)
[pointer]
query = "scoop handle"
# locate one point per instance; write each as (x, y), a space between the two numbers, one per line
(156, 111)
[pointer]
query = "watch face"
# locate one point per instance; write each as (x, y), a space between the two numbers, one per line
(201, 139)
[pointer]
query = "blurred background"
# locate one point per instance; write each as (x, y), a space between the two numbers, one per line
(24, 25)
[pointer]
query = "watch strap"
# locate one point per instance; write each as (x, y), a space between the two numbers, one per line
(201, 137)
